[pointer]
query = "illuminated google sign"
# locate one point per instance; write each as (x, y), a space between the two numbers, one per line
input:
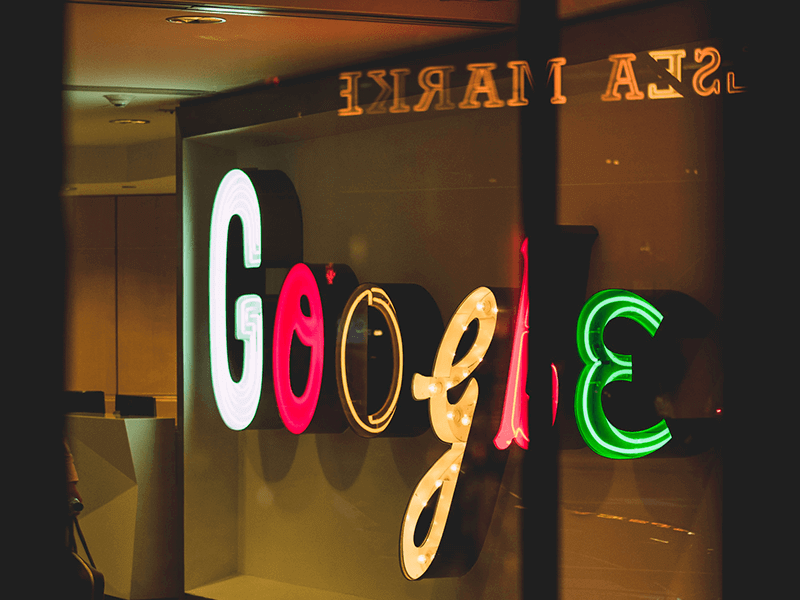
(299, 312)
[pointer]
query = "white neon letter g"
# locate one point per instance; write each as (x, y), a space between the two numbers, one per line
(237, 401)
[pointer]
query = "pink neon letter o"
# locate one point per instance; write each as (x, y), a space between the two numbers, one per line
(295, 412)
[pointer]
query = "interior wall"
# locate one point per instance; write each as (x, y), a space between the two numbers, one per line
(437, 206)
(433, 202)
(90, 358)
(122, 292)
(114, 164)
(147, 296)
(430, 199)
(211, 451)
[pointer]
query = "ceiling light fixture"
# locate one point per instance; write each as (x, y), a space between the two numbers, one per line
(129, 121)
(119, 100)
(196, 20)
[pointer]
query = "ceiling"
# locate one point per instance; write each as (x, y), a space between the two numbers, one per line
(129, 49)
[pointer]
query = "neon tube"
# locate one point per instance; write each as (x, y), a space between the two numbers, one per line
(603, 366)
(237, 401)
(370, 425)
(297, 411)
(514, 422)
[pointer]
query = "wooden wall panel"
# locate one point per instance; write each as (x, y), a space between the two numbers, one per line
(90, 337)
(146, 279)
(121, 296)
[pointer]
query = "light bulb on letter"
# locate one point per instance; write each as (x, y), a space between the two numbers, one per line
(454, 431)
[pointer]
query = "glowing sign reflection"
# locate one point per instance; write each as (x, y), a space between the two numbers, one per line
(514, 422)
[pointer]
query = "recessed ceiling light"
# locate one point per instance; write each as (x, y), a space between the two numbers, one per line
(129, 121)
(196, 20)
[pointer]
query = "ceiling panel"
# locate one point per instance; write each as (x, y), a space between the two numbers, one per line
(130, 48)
